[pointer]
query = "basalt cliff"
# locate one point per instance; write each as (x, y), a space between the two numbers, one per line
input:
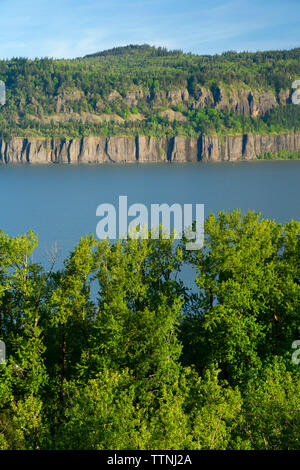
(145, 149)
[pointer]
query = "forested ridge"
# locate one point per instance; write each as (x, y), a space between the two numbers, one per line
(143, 90)
(146, 363)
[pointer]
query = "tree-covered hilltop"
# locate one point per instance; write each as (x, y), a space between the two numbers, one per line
(143, 90)
(146, 363)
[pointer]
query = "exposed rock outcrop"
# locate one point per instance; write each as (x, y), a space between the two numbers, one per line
(145, 149)
(246, 102)
(121, 149)
(227, 148)
(66, 98)
(258, 144)
(237, 99)
(90, 150)
(171, 97)
(185, 150)
(173, 115)
(150, 149)
(203, 99)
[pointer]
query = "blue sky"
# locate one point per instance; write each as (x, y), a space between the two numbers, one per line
(72, 28)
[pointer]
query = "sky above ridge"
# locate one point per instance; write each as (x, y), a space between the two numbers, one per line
(73, 28)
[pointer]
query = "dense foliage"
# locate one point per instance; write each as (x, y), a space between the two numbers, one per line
(85, 89)
(146, 363)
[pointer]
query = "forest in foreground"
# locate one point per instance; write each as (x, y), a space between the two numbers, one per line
(146, 363)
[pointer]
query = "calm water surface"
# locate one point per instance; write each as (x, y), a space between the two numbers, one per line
(59, 202)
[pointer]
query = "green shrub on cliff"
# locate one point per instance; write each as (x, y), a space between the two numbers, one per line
(281, 155)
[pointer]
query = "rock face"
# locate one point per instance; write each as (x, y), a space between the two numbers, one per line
(150, 149)
(252, 103)
(89, 150)
(145, 149)
(228, 148)
(238, 99)
(121, 149)
(185, 150)
(258, 144)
